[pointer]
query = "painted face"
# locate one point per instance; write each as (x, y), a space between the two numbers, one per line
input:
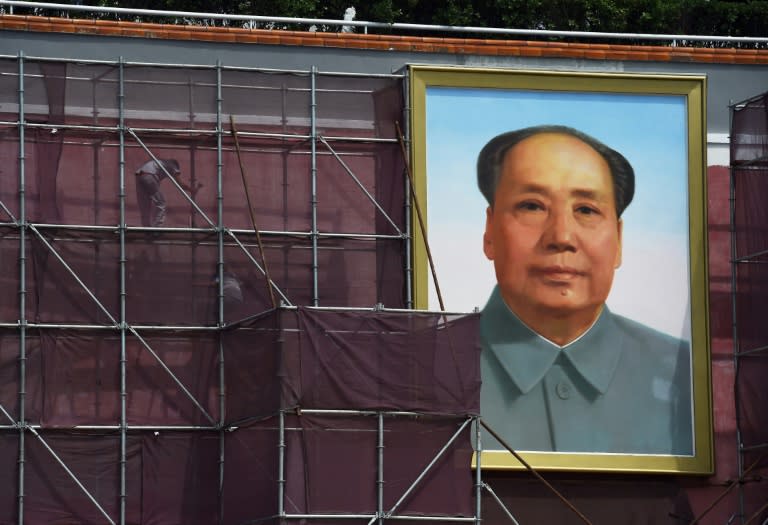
(553, 233)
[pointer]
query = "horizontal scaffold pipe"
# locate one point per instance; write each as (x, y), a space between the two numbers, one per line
(375, 308)
(298, 72)
(114, 328)
(374, 516)
(159, 240)
(393, 413)
(111, 428)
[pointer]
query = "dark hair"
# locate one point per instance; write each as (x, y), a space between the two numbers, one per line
(492, 156)
(172, 165)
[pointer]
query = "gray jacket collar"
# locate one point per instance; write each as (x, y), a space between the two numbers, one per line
(526, 356)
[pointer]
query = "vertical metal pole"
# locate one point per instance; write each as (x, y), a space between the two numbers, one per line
(94, 99)
(734, 321)
(123, 292)
(22, 290)
(281, 467)
(380, 471)
(313, 132)
(284, 153)
(407, 204)
(96, 154)
(96, 150)
(191, 100)
(220, 269)
(478, 473)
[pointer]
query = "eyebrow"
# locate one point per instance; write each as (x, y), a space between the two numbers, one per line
(578, 192)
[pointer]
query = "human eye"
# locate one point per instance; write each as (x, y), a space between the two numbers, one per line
(529, 206)
(587, 210)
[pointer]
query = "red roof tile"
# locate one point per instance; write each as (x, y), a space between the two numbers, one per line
(508, 47)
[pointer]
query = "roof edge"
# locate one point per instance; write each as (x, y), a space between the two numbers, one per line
(384, 43)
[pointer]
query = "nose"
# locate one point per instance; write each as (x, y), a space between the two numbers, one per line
(560, 232)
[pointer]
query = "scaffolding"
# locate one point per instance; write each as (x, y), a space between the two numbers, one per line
(189, 369)
(159, 339)
(749, 283)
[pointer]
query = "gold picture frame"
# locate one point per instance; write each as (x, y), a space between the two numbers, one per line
(456, 110)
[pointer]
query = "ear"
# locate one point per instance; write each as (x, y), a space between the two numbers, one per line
(488, 247)
(619, 228)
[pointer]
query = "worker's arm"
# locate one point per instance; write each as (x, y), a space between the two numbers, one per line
(187, 187)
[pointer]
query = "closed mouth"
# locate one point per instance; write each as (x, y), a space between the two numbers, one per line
(560, 273)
